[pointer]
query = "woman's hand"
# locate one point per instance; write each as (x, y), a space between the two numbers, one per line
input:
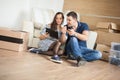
(43, 36)
(63, 36)
(63, 30)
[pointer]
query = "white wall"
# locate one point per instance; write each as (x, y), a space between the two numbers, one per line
(56, 5)
(14, 12)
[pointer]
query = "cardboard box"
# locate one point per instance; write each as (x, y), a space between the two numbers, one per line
(106, 30)
(106, 38)
(114, 26)
(108, 27)
(13, 40)
(104, 26)
(105, 50)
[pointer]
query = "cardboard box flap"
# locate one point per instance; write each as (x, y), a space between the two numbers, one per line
(114, 26)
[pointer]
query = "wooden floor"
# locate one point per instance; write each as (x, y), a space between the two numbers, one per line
(28, 66)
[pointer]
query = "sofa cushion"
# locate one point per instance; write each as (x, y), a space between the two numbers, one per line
(91, 39)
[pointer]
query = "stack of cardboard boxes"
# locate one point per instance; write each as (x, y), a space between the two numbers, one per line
(107, 32)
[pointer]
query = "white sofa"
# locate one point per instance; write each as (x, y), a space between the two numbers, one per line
(41, 17)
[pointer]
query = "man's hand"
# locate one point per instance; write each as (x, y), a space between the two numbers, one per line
(71, 32)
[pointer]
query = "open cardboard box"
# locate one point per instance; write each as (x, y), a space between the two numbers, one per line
(104, 26)
(108, 27)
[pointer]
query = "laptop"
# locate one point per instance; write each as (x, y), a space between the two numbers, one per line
(52, 33)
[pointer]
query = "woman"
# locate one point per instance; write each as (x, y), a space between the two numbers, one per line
(49, 45)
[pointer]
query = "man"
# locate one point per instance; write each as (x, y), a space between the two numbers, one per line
(77, 34)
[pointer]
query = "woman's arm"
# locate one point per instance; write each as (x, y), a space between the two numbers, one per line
(63, 35)
(43, 36)
(43, 33)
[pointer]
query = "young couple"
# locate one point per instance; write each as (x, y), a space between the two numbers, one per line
(72, 40)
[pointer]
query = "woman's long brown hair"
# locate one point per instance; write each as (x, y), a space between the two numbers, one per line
(54, 23)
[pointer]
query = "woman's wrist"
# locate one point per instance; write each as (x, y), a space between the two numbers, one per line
(63, 33)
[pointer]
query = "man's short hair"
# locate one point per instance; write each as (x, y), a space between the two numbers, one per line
(72, 14)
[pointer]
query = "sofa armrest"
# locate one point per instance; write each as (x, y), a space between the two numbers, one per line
(28, 26)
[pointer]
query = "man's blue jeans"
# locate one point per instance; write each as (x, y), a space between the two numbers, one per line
(88, 54)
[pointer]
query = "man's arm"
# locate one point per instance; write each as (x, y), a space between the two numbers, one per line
(83, 36)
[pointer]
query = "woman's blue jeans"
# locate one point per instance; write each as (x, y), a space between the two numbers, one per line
(88, 54)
